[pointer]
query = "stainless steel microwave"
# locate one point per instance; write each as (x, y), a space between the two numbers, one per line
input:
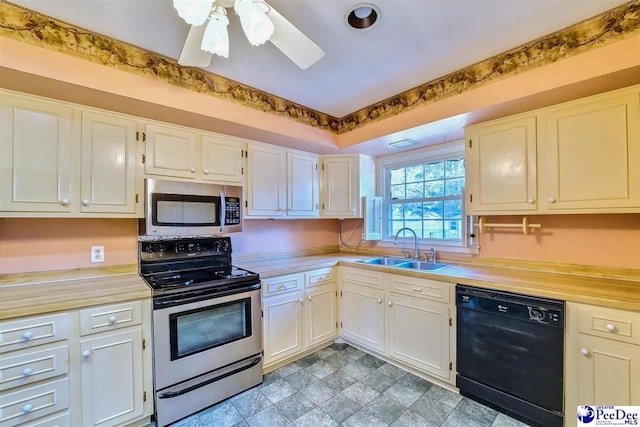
(178, 208)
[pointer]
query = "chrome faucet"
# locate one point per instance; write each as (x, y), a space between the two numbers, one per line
(415, 241)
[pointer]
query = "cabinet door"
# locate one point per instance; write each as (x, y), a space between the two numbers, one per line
(340, 187)
(418, 333)
(302, 185)
(171, 152)
(222, 159)
(108, 168)
(608, 372)
(501, 166)
(593, 154)
(363, 315)
(320, 315)
(282, 326)
(112, 378)
(36, 160)
(266, 186)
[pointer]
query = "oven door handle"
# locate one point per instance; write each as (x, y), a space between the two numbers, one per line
(176, 393)
(223, 211)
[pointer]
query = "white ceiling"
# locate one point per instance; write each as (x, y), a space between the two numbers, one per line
(414, 42)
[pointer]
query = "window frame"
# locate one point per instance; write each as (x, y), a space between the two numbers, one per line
(436, 153)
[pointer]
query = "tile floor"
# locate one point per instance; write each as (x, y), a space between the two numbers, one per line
(341, 385)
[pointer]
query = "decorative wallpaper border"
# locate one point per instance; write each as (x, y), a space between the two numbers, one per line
(37, 29)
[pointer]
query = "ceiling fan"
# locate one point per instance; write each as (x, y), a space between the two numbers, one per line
(261, 22)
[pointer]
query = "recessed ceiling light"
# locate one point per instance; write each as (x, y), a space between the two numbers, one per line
(362, 16)
(404, 143)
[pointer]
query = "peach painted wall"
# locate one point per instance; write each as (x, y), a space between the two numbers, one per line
(36, 244)
(597, 240)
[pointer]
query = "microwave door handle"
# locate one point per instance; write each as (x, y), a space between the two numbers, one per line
(223, 211)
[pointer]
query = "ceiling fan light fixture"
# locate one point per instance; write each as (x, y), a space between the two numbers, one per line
(194, 12)
(254, 20)
(362, 16)
(216, 37)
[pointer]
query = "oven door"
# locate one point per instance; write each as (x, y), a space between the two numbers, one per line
(196, 338)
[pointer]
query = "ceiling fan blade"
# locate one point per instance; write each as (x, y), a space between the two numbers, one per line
(293, 42)
(191, 54)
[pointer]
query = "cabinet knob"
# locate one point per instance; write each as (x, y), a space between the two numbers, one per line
(552, 199)
(193, 170)
(584, 352)
(309, 297)
(300, 300)
(26, 372)
(390, 303)
(322, 278)
(85, 202)
(112, 320)
(206, 171)
(64, 202)
(379, 300)
(27, 335)
(610, 327)
(86, 354)
(27, 408)
(531, 201)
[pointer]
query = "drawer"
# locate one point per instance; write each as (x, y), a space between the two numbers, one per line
(28, 366)
(319, 277)
(62, 420)
(609, 323)
(358, 276)
(34, 402)
(20, 334)
(110, 317)
(417, 287)
(282, 284)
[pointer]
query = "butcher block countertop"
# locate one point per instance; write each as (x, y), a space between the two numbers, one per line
(28, 294)
(602, 291)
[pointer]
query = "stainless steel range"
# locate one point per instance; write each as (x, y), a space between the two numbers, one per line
(206, 323)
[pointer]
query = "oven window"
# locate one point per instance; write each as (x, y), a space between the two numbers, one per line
(203, 329)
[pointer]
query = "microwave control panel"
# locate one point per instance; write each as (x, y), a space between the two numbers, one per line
(232, 211)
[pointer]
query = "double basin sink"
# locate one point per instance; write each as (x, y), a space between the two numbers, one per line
(405, 263)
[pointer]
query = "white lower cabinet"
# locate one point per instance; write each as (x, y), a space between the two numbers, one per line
(85, 367)
(299, 313)
(362, 315)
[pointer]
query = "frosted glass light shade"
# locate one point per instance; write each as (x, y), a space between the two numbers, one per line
(256, 24)
(194, 12)
(216, 37)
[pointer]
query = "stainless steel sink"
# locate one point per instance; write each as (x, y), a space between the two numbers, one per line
(405, 263)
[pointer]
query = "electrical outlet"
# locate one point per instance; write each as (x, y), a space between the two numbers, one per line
(97, 253)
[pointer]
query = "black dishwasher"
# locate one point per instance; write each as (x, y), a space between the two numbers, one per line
(510, 353)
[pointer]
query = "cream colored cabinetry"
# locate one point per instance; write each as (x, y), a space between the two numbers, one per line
(418, 323)
(281, 183)
(345, 180)
(82, 367)
(299, 313)
(501, 165)
(362, 307)
(602, 357)
(222, 159)
(63, 160)
(578, 157)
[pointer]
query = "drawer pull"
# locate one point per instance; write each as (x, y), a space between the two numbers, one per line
(584, 352)
(390, 303)
(379, 300)
(86, 354)
(112, 320)
(27, 335)
(610, 327)
(416, 289)
(26, 372)
(27, 408)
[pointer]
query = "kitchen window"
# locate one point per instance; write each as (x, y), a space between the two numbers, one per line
(424, 190)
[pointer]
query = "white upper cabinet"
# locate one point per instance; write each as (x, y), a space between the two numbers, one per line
(171, 151)
(501, 165)
(222, 159)
(108, 178)
(36, 160)
(578, 157)
(281, 183)
(345, 180)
